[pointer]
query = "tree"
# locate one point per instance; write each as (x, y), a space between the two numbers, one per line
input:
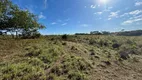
(95, 32)
(105, 32)
(4, 14)
(13, 19)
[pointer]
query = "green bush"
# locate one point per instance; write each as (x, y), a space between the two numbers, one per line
(76, 76)
(92, 42)
(34, 53)
(37, 62)
(22, 71)
(36, 35)
(64, 37)
(31, 34)
(116, 45)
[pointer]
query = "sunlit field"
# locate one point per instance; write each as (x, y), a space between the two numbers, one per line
(70, 39)
(80, 57)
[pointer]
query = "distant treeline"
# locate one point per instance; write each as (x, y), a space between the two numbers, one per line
(121, 33)
(130, 33)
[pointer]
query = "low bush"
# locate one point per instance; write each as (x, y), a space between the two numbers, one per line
(64, 43)
(124, 54)
(37, 62)
(92, 52)
(92, 42)
(76, 76)
(34, 53)
(64, 37)
(116, 45)
(22, 71)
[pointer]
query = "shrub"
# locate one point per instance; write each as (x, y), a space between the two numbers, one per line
(31, 34)
(64, 37)
(116, 45)
(45, 59)
(92, 42)
(50, 55)
(76, 76)
(92, 52)
(124, 54)
(22, 71)
(103, 43)
(136, 59)
(64, 43)
(129, 42)
(36, 35)
(107, 62)
(51, 77)
(57, 70)
(74, 48)
(37, 62)
(34, 53)
(77, 63)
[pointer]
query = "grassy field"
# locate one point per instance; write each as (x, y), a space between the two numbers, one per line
(80, 57)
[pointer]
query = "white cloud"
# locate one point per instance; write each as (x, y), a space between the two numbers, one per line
(133, 13)
(125, 14)
(93, 6)
(41, 16)
(135, 17)
(138, 3)
(133, 20)
(64, 24)
(99, 13)
(113, 15)
(53, 23)
(136, 12)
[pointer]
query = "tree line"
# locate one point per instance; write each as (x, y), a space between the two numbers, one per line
(17, 21)
(95, 33)
(121, 33)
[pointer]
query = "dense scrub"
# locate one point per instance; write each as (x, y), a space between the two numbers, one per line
(80, 57)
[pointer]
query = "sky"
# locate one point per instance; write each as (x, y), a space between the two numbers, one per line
(83, 16)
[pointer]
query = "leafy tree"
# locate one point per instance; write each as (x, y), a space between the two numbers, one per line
(13, 19)
(105, 32)
(95, 32)
(4, 14)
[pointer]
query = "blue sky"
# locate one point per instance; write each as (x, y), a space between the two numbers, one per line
(77, 16)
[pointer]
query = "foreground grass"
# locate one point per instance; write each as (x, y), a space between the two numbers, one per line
(86, 57)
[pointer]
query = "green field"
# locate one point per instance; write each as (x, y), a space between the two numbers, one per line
(74, 57)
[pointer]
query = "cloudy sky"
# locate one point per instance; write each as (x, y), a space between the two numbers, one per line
(75, 16)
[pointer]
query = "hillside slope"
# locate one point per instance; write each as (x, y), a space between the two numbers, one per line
(85, 57)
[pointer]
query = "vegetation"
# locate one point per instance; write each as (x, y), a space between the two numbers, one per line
(77, 57)
(121, 33)
(18, 21)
